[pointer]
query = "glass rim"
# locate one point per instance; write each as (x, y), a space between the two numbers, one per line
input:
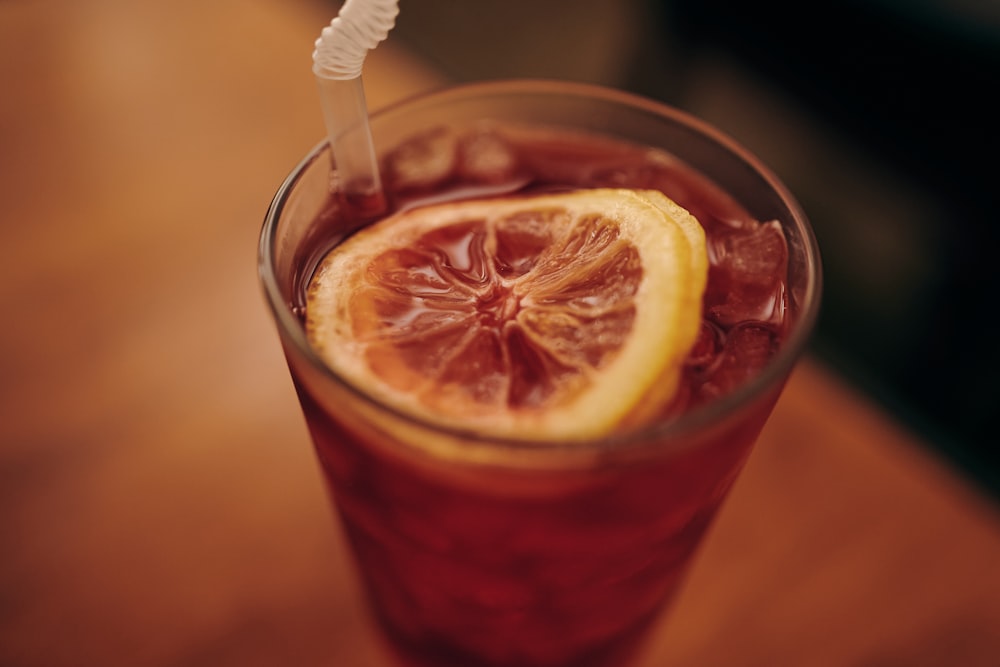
(674, 428)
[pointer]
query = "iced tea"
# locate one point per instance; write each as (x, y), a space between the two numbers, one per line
(529, 554)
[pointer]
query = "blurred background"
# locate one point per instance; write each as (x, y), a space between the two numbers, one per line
(880, 115)
(159, 504)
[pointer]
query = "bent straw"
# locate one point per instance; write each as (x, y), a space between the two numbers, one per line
(337, 60)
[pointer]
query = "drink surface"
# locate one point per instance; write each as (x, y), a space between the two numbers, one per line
(744, 311)
(471, 565)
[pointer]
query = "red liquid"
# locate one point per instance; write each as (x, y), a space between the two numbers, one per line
(507, 567)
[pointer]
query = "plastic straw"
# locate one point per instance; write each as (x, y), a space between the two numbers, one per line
(337, 60)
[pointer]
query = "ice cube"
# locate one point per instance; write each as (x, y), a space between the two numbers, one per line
(748, 267)
(424, 161)
(748, 348)
(706, 348)
(486, 157)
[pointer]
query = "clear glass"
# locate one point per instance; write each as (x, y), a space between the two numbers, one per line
(506, 553)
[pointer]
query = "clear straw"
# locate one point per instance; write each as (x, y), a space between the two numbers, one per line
(337, 60)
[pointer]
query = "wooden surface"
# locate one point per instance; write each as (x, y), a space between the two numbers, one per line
(159, 500)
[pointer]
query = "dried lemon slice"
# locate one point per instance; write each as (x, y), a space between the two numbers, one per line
(556, 316)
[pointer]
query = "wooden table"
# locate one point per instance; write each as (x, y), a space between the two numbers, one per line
(159, 500)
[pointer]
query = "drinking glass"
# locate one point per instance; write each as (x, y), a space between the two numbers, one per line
(477, 551)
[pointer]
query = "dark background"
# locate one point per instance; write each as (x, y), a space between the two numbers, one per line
(880, 116)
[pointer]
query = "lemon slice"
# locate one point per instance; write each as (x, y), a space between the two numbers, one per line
(555, 316)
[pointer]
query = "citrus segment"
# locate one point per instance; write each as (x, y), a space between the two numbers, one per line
(536, 317)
